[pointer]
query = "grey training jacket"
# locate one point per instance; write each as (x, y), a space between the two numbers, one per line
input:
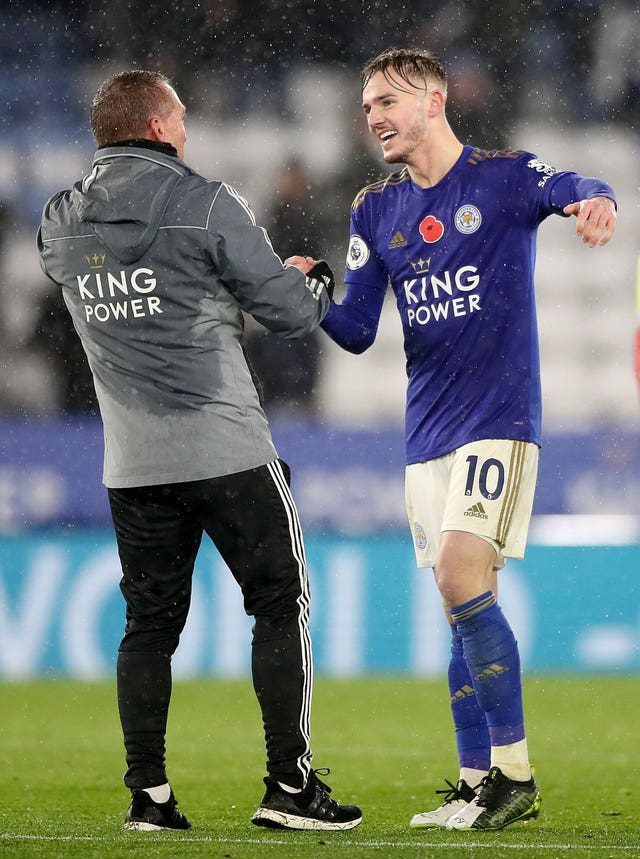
(156, 264)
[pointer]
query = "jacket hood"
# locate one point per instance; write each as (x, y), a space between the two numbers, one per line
(124, 198)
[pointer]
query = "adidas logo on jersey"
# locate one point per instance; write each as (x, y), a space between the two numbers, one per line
(398, 241)
(476, 510)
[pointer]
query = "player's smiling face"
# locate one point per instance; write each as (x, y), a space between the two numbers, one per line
(396, 115)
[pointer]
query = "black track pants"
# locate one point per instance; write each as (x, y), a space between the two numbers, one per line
(252, 519)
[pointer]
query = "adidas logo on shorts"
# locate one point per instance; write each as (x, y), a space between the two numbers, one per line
(476, 510)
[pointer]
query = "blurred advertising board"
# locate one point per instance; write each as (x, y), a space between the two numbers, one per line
(574, 608)
(344, 480)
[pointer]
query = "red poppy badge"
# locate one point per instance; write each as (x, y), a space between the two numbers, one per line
(431, 229)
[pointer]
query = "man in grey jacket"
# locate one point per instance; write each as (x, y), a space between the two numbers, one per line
(156, 265)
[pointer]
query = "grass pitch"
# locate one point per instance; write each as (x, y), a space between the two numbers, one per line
(389, 744)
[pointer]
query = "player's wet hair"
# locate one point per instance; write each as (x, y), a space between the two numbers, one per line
(407, 64)
(125, 102)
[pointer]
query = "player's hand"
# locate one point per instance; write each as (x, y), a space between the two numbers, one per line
(596, 219)
(305, 264)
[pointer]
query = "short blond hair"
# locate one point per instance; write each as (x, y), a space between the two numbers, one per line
(408, 64)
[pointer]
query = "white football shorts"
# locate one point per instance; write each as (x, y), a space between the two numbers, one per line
(485, 488)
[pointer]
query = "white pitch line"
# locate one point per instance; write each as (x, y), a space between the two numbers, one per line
(467, 845)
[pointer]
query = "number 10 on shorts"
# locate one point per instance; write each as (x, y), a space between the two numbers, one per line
(490, 477)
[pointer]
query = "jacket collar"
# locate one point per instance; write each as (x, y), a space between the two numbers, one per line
(144, 143)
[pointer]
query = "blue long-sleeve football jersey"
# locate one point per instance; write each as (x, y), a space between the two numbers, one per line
(460, 259)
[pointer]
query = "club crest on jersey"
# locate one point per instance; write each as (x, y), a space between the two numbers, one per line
(467, 219)
(358, 253)
(431, 229)
(419, 536)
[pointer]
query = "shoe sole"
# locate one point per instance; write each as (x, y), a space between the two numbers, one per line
(280, 820)
(144, 826)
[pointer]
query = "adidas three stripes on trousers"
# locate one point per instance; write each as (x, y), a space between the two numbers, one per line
(252, 520)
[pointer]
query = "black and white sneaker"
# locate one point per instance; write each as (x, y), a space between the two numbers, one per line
(312, 808)
(501, 801)
(456, 798)
(148, 816)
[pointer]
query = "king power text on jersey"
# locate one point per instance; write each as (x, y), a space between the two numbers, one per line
(434, 295)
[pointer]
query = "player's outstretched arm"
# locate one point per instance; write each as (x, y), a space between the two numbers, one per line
(597, 218)
(353, 323)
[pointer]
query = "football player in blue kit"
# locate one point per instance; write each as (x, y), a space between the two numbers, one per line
(453, 232)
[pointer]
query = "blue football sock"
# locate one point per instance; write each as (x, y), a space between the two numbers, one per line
(472, 734)
(491, 653)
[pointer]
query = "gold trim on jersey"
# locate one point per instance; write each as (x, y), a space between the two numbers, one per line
(378, 187)
(479, 155)
(514, 479)
(476, 156)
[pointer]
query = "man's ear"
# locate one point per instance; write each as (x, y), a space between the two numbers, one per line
(157, 128)
(436, 102)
